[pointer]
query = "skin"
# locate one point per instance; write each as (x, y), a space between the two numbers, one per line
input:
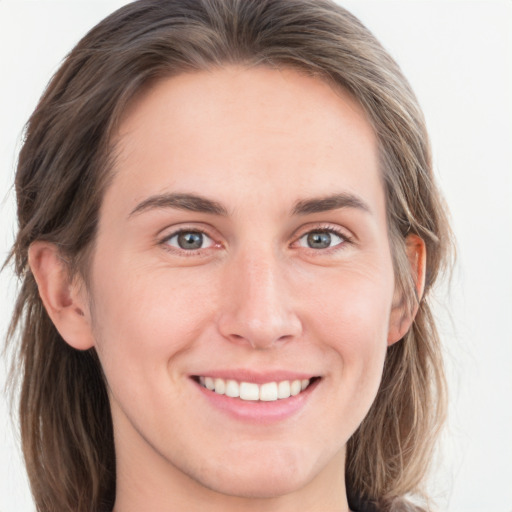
(255, 296)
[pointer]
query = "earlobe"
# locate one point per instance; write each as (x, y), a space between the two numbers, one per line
(62, 297)
(402, 316)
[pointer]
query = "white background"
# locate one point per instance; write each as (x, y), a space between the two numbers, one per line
(458, 57)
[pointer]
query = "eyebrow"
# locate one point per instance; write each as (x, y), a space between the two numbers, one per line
(189, 202)
(196, 203)
(327, 203)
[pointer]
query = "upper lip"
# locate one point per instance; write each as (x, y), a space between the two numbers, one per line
(244, 375)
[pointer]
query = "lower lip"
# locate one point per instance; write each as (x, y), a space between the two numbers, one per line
(259, 411)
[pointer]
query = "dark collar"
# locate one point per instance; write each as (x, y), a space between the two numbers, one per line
(357, 504)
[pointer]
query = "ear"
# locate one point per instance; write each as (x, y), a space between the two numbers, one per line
(401, 316)
(64, 299)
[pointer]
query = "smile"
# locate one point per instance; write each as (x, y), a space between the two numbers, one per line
(266, 392)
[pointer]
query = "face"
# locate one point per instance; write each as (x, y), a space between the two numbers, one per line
(243, 246)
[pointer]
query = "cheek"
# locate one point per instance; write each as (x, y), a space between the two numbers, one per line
(144, 324)
(353, 306)
(144, 314)
(350, 317)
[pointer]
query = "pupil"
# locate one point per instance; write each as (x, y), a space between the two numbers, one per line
(190, 240)
(318, 240)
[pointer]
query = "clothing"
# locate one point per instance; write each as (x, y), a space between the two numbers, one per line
(359, 505)
(365, 507)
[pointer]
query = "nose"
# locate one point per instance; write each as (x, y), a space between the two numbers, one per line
(258, 303)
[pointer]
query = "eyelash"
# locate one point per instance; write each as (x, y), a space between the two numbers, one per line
(345, 240)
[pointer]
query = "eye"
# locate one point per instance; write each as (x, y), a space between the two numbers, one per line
(321, 239)
(189, 240)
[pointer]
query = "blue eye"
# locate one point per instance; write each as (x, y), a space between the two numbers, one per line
(190, 240)
(320, 239)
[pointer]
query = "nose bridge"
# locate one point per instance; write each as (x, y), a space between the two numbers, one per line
(258, 307)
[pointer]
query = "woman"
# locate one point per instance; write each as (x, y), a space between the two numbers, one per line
(228, 232)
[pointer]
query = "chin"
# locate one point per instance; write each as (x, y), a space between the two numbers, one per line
(262, 477)
(261, 486)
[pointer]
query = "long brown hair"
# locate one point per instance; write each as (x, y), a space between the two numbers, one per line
(63, 169)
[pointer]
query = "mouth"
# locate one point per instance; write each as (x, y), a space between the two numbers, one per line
(253, 392)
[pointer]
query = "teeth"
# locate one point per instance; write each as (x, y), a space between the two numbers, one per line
(208, 383)
(283, 389)
(232, 388)
(268, 392)
(295, 387)
(249, 391)
(220, 386)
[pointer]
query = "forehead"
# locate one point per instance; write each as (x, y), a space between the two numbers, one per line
(234, 128)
